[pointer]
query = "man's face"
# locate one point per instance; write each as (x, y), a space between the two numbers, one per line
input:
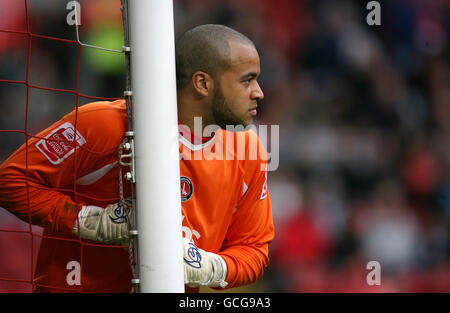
(237, 92)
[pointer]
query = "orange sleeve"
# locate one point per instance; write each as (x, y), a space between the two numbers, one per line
(36, 182)
(245, 249)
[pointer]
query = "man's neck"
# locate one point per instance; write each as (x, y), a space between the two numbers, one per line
(192, 116)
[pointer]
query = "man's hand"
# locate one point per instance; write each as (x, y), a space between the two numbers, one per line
(203, 268)
(109, 225)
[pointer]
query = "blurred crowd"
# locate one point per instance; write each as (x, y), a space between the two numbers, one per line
(363, 113)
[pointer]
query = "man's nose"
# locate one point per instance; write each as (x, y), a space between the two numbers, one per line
(257, 93)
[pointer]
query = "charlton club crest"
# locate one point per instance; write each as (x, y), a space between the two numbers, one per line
(186, 188)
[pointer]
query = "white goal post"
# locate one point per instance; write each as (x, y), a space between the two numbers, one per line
(157, 167)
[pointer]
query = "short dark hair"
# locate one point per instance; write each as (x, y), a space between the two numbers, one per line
(205, 48)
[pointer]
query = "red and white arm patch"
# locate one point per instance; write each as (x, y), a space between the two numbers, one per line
(60, 143)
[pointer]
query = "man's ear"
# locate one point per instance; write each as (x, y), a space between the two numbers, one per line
(203, 83)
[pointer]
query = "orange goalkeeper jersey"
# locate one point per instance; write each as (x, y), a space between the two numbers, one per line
(225, 201)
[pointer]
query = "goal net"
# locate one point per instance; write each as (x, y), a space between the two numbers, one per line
(55, 57)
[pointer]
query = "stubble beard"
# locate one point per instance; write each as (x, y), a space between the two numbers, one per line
(222, 113)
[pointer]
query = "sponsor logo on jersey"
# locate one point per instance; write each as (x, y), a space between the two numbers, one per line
(186, 187)
(60, 143)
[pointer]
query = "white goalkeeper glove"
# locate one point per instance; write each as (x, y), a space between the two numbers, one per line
(109, 225)
(203, 268)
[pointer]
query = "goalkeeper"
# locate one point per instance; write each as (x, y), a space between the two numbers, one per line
(66, 179)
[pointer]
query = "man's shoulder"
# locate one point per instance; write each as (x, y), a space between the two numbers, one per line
(247, 135)
(105, 118)
(92, 107)
(246, 146)
(100, 114)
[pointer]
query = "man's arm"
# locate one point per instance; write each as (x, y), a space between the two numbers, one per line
(30, 188)
(34, 180)
(245, 249)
